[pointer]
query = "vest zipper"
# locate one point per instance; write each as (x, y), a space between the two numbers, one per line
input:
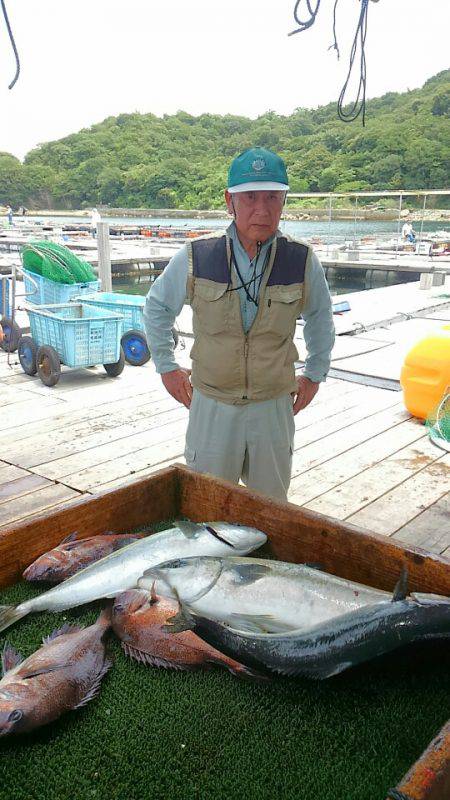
(246, 347)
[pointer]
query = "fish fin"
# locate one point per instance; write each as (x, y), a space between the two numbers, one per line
(125, 540)
(66, 628)
(258, 623)
(70, 538)
(153, 595)
(425, 599)
(314, 565)
(319, 673)
(152, 661)
(188, 528)
(240, 670)
(9, 615)
(95, 686)
(245, 574)
(105, 616)
(217, 535)
(181, 621)
(401, 587)
(34, 673)
(10, 658)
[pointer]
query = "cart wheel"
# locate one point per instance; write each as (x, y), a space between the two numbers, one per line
(12, 335)
(48, 365)
(27, 355)
(135, 348)
(175, 335)
(115, 369)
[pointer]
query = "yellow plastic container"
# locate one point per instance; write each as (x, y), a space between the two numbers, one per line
(426, 373)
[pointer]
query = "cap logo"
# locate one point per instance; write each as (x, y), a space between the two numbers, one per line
(258, 164)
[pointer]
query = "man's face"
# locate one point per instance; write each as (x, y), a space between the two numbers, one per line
(256, 214)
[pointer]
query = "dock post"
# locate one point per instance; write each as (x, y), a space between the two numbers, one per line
(104, 256)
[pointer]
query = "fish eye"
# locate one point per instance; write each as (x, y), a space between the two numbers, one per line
(118, 607)
(15, 715)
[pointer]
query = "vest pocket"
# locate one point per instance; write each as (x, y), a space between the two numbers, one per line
(211, 305)
(282, 307)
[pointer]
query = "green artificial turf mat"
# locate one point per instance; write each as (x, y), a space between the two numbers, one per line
(155, 733)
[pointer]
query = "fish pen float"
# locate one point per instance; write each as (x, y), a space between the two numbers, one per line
(191, 735)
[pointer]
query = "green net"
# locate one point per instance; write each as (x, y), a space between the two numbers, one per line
(56, 262)
(438, 422)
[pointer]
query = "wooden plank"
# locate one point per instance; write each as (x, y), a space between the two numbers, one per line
(143, 473)
(21, 486)
(305, 458)
(299, 535)
(140, 503)
(392, 511)
(9, 472)
(30, 411)
(356, 493)
(430, 529)
(38, 501)
(12, 396)
(94, 476)
(131, 445)
(106, 430)
(429, 777)
(321, 479)
(376, 400)
(66, 415)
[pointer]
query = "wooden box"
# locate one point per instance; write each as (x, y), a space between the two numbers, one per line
(294, 535)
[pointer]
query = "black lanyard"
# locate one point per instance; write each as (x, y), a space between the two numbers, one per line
(251, 297)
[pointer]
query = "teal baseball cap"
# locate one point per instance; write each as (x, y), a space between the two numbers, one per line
(257, 169)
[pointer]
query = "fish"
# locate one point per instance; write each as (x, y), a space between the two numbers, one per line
(63, 675)
(72, 555)
(329, 648)
(121, 570)
(138, 618)
(261, 595)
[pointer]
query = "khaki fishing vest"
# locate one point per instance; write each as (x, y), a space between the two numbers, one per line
(228, 364)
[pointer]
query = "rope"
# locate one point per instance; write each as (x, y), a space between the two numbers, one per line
(335, 46)
(13, 45)
(358, 107)
(304, 25)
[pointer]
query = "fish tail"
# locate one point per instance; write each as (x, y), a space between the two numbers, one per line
(9, 615)
(246, 673)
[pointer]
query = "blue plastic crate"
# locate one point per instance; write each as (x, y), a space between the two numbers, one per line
(49, 292)
(5, 288)
(131, 306)
(81, 335)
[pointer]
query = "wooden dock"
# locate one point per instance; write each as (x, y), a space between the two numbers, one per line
(359, 455)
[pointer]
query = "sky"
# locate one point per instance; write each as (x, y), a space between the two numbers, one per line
(85, 60)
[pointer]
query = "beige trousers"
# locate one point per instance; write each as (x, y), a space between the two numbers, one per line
(251, 442)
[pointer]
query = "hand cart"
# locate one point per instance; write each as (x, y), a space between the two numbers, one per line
(73, 334)
(8, 295)
(131, 306)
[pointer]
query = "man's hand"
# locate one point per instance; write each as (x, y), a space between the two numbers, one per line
(178, 385)
(306, 391)
(2, 335)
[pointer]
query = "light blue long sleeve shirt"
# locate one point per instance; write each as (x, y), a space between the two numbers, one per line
(166, 298)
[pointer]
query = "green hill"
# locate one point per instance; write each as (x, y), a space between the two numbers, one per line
(180, 161)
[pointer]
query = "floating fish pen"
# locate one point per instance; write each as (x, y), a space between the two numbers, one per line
(162, 733)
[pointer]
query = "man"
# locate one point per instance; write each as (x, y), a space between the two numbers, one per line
(247, 288)
(95, 219)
